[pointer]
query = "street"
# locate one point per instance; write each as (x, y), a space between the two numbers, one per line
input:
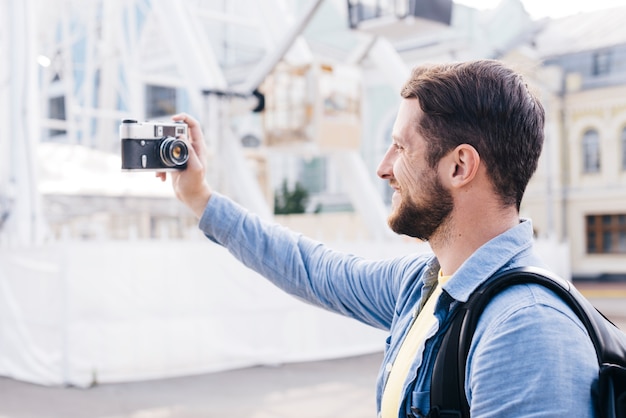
(340, 387)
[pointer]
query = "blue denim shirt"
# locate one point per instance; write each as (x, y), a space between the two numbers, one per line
(530, 355)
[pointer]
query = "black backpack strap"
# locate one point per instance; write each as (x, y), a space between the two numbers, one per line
(448, 382)
(447, 393)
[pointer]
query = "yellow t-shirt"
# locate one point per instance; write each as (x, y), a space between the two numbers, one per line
(392, 394)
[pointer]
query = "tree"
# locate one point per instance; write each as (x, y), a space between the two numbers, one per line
(290, 201)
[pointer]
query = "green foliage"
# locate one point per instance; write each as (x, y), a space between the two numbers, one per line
(290, 201)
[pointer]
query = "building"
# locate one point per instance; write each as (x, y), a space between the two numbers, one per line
(584, 172)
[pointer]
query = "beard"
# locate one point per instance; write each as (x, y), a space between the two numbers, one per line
(422, 220)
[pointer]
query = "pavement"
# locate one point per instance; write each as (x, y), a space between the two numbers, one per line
(334, 388)
(323, 389)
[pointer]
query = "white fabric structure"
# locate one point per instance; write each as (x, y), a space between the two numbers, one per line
(81, 313)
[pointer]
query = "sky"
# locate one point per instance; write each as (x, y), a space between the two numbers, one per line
(550, 8)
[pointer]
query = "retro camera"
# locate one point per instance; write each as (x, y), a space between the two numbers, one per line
(153, 146)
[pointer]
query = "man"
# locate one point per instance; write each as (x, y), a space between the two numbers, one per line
(466, 141)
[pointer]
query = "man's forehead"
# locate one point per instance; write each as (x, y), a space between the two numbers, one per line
(411, 109)
(409, 114)
(405, 129)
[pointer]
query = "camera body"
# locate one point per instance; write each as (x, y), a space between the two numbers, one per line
(153, 146)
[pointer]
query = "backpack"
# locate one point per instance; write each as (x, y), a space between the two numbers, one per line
(449, 370)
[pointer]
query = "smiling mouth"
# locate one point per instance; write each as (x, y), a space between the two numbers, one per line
(396, 193)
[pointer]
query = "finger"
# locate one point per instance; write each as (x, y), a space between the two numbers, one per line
(195, 131)
(196, 137)
(195, 161)
(161, 175)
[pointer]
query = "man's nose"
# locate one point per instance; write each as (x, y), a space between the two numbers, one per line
(385, 168)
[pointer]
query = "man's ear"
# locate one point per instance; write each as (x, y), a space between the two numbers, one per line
(465, 160)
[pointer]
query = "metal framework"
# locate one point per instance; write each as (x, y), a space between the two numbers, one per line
(20, 212)
(95, 59)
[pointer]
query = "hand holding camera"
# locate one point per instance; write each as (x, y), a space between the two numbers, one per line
(176, 147)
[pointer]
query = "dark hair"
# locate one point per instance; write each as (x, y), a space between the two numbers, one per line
(488, 106)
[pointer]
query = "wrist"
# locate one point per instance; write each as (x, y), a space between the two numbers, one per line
(198, 201)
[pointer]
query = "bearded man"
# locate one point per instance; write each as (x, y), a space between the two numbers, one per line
(465, 143)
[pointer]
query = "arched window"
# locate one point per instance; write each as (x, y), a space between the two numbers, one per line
(591, 151)
(624, 149)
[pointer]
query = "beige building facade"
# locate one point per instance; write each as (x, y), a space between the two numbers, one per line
(595, 216)
(578, 195)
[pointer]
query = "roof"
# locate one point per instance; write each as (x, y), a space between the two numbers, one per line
(582, 32)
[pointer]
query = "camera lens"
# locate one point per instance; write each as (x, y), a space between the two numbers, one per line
(174, 152)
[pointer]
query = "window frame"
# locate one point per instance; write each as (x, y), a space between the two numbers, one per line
(591, 156)
(623, 145)
(160, 101)
(602, 63)
(605, 233)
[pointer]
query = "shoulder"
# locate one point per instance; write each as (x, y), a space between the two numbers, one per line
(531, 310)
(528, 303)
(526, 337)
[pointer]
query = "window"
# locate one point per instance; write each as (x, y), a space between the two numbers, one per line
(601, 63)
(57, 107)
(435, 10)
(624, 149)
(313, 175)
(160, 101)
(56, 110)
(606, 234)
(591, 151)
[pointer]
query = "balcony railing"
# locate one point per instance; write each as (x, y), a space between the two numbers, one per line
(364, 10)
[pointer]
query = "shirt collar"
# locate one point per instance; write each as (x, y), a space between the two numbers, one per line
(510, 248)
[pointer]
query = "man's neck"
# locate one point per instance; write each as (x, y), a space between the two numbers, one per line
(462, 234)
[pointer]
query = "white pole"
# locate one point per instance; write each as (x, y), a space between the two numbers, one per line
(25, 223)
(363, 193)
(192, 52)
(5, 104)
(109, 56)
(270, 60)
